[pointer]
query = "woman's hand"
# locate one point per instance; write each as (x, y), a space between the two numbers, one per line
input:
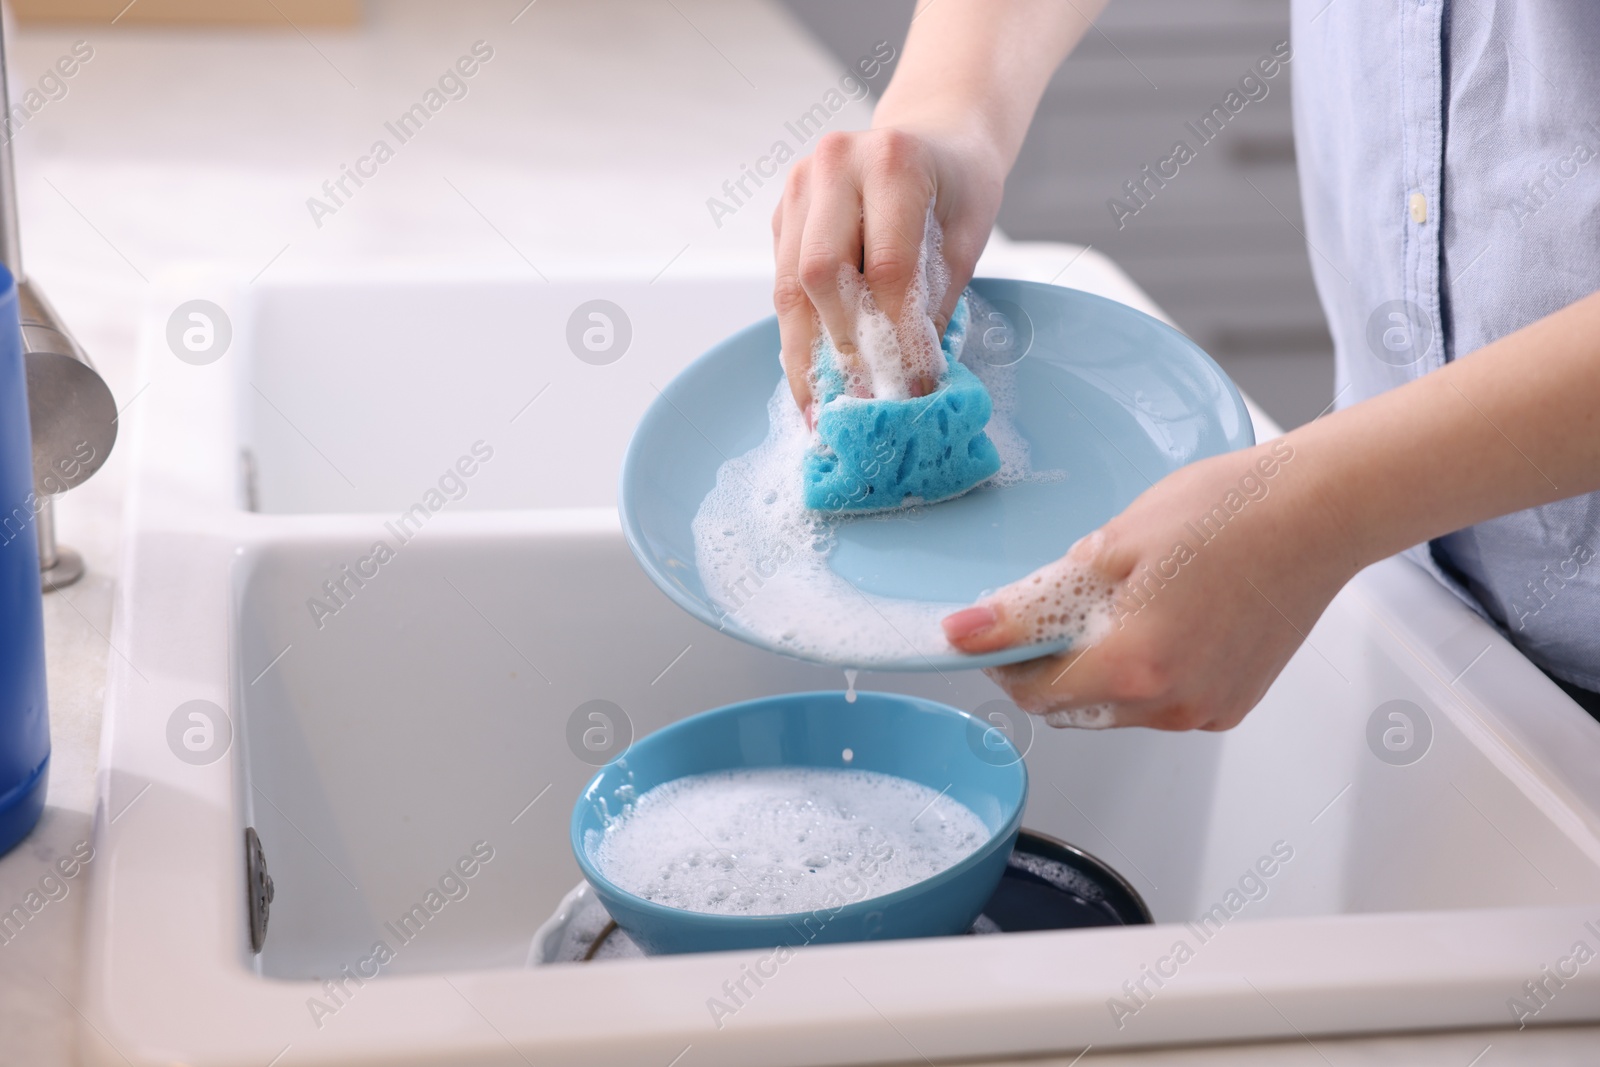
(1218, 571)
(861, 201)
(1223, 567)
(945, 133)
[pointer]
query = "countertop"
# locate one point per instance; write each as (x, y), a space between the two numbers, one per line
(595, 133)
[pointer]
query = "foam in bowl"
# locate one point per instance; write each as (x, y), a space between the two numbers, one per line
(783, 840)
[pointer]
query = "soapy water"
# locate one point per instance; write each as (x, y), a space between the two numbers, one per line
(890, 358)
(783, 840)
(1067, 596)
(986, 353)
(763, 556)
(763, 559)
(1092, 717)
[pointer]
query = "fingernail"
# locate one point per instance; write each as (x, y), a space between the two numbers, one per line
(845, 348)
(969, 622)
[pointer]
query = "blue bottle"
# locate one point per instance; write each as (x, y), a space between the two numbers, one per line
(24, 717)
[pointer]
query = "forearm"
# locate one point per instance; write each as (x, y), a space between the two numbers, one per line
(1511, 426)
(984, 62)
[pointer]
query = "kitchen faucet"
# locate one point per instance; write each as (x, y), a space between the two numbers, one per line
(70, 408)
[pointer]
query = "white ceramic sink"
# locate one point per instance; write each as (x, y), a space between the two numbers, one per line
(424, 718)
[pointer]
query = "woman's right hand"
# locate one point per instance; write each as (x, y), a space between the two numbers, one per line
(862, 200)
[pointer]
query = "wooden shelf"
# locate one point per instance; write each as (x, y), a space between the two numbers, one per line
(299, 13)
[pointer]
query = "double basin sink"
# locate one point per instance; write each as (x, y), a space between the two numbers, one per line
(372, 545)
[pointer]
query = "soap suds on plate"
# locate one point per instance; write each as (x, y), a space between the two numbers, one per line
(783, 840)
(890, 359)
(763, 556)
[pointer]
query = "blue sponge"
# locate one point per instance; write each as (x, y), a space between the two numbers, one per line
(881, 454)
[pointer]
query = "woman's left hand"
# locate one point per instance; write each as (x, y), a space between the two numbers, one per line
(1218, 572)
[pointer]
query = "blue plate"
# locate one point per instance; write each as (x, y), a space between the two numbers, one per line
(1111, 396)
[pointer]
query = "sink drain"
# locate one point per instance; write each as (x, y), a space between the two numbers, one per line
(1048, 885)
(258, 887)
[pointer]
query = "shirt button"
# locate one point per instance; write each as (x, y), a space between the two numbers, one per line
(1419, 208)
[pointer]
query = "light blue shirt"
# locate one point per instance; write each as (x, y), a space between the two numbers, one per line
(1450, 172)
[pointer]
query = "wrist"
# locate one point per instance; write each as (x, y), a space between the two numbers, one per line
(1327, 513)
(963, 124)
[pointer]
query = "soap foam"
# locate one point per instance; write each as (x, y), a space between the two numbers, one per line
(763, 555)
(1093, 717)
(1066, 598)
(986, 354)
(890, 358)
(783, 840)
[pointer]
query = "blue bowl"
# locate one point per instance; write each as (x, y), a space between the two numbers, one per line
(933, 744)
